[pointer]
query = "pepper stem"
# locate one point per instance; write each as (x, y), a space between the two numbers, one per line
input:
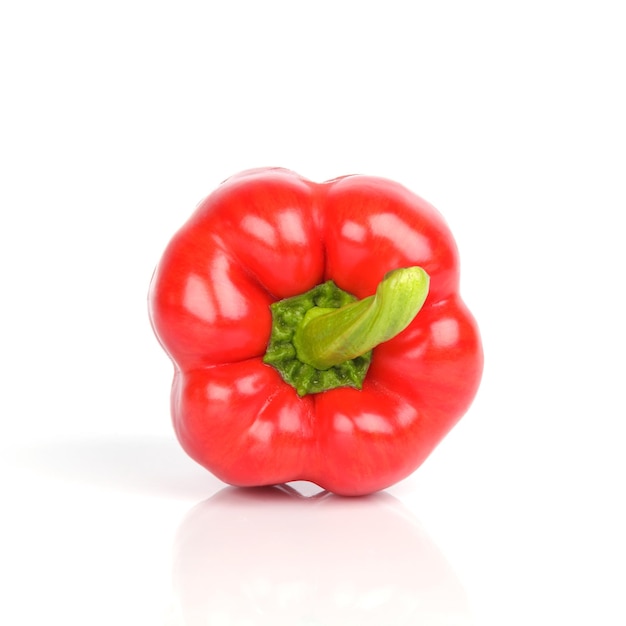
(328, 337)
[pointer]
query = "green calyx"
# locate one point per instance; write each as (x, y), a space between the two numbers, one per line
(323, 339)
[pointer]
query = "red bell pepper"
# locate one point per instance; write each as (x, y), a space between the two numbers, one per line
(316, 330)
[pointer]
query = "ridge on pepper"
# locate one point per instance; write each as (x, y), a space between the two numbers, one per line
(316, 331)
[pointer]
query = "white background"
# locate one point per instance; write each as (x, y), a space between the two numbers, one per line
(118, 117)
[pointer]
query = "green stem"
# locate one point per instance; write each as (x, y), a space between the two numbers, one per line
(323, 339)
(330, 336)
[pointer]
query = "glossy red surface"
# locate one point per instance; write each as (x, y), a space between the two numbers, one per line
(268, 234)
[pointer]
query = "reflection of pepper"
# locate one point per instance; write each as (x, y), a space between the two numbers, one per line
(290, 311)
(271, 557)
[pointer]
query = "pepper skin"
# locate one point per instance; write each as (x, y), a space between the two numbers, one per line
(269, 234)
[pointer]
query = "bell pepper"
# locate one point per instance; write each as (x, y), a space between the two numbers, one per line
(316, 331)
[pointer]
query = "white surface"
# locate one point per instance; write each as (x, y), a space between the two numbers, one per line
(117, 119)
